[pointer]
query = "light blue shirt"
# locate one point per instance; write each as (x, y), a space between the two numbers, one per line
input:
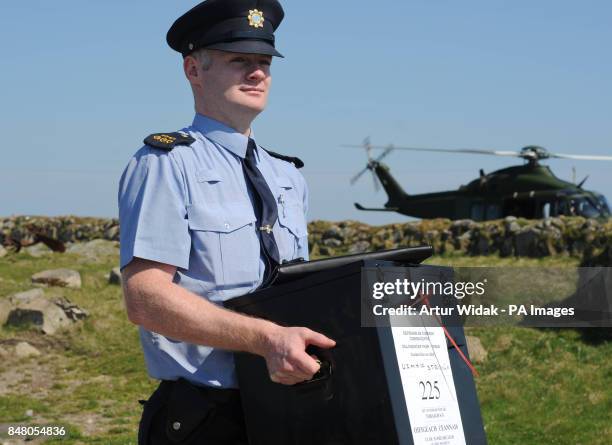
(190, 208)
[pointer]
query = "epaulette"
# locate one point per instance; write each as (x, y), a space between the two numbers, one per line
(167, 141)
(295, 161)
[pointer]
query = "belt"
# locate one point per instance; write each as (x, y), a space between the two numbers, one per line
(220, 395)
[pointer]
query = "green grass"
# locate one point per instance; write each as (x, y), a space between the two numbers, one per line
(536, 387)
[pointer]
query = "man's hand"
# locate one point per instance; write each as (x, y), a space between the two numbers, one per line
(286, 357)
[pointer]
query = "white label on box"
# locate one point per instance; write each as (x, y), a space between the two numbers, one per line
(429, 388)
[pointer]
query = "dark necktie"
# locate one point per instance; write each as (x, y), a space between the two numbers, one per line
(265, 208)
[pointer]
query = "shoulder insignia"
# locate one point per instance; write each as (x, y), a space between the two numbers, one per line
(295, 161)
(167, 141)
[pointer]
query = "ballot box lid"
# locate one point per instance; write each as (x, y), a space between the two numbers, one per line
(296, 270)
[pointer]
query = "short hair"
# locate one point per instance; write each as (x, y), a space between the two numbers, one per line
(203, 57)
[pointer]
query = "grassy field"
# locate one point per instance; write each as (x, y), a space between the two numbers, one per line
(536, 387)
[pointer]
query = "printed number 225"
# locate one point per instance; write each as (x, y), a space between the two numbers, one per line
(428, 390)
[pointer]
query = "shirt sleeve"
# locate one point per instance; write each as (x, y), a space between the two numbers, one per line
(152, 210)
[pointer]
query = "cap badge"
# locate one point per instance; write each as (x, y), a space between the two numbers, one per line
(256, 18)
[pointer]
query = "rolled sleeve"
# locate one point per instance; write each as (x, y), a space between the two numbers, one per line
(152, 210)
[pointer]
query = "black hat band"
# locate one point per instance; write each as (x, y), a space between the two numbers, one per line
(231, 36)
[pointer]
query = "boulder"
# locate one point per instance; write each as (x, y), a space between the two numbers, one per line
(27, 296)
(112, 233)
(37, 250)
(5, 310)
(513, 227)
(95, 249)
(58, 277)
(478, 353)
(41, 313)
(114, 277)
(461, 226)
(359, 247)
(73, 312)
(334, 232)
(525, 242)
(332, 242)
(24, 350)
(33, 309)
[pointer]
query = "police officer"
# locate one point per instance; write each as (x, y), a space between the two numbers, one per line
(206, 214)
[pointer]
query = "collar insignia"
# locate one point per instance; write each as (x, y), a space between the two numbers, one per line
(256, 18)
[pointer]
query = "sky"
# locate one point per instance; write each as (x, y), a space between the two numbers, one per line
(83, 82)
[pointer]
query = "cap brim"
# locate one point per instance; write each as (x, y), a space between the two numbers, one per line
(247, 47)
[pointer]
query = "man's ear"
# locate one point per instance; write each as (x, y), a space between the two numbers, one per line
(190, 67)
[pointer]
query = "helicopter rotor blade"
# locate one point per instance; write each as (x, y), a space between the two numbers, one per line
(367, 146)
(581, 157)
(385, 153)
(515, 154)
(355, 178)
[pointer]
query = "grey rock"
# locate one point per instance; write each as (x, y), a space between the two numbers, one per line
(46, 315)
(505, 249)
(3, 352)
(73, 312)
(359, 247)
(334, 232)
(27, 296)
(95, 249)
(525, 242)
(115, 276)
(478, 353)
(58, 277)
(510, 219)
(29, 413)
(332, 242)
(480, 247)
(40, 313)
(38, 250)
(5, 310)
(462, 225)
(112, 233)
(513, 227)
(24, 350)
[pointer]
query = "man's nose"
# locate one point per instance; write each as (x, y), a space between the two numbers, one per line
(256, 73)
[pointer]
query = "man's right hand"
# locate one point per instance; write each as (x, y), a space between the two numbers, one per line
(286, 357)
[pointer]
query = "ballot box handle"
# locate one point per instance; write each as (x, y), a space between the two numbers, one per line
(325, 371)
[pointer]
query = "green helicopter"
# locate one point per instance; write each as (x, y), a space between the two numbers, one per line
(529, 191)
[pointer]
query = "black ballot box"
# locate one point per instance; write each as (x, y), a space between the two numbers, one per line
(356, 398)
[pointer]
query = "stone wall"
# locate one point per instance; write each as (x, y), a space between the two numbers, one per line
(588, 239)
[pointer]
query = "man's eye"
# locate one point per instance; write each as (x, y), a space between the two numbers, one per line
(238, 60)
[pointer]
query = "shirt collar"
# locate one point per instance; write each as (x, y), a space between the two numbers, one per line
(222, 134)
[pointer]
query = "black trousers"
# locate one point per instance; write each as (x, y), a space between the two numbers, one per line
(181, 413)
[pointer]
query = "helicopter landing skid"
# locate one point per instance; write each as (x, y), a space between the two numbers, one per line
(370, 209)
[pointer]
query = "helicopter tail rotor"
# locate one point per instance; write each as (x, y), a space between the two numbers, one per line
(372, 162)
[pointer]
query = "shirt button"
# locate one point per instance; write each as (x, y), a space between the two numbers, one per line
(176, 426)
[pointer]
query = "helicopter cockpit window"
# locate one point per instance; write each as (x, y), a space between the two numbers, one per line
(493, 211)
(584, 207)
(477, 211)
(602, 205)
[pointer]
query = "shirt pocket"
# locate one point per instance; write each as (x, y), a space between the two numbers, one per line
(292, 222)
(224, 239)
